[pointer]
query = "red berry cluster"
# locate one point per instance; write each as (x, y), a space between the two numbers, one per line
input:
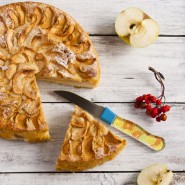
(157, 111)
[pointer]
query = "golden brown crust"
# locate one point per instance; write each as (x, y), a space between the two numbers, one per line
(87, 143)
(31, 136)
(40, 40)
(84, 165)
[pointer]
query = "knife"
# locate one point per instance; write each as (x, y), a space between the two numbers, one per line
(105, 114)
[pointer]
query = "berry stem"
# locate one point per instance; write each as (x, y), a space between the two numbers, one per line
(159, 77)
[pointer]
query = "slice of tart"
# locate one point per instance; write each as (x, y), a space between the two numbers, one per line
(39, 40)
(88, 143)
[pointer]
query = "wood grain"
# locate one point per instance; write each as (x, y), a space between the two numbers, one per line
(69, 179)
(125, 74)
(124, 77)
(98, 18)
(79, 179)
(17, 156)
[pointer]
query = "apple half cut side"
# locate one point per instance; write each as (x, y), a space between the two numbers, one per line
(136, 28)
(157, 174)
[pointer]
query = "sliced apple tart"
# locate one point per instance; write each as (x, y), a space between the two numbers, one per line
(88, 143)
(38, 40)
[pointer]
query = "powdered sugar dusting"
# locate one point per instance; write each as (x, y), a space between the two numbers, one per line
(50, 67)
(66, 55)
(6, 17)
(61, 61)
(2, 27)
(99, 153)
(2, 89)
(86, 55)
(34, 32)
(83, 37)
(65, 73)
(20, 29)
(60, 47)
(30, 7)
(3, 40)
(1, 24)
(2, 96)
(87, 68)
(6, 112)
(90, 70)
(112, 148)
(4, 68)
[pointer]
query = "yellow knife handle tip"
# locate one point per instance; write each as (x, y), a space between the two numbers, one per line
(135, 131)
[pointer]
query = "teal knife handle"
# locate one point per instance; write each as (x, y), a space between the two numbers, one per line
(108, 116)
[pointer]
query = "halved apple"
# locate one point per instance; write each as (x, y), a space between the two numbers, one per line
(136, 28)
(157, 174)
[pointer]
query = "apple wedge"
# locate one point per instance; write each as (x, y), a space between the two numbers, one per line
(136, 28)
(157, 174)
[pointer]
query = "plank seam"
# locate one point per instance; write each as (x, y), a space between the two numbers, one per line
(174, 103)
(111, 35)
(94, 172)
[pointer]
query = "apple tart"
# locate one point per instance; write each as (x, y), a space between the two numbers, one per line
(88, 143)
(39, 41)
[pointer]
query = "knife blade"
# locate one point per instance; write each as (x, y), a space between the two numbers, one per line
(105, 114)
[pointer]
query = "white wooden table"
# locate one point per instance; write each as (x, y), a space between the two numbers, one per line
(124, 76)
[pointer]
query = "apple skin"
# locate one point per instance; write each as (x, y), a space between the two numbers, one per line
(126, 39)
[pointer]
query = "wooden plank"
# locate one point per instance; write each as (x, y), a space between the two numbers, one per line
(17, 156)
(125, 74)
(69, 179)
(79, 178)
(99, 18)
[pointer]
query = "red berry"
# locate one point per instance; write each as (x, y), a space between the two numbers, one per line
(148, 95)
(148, 107)
(158, 119)
(159, 110)
(148, 112)
(155, 111)
(163, 117)
(158, 102)
(147, 101)
(163, 109)
(152, 99)
(139, 99)
(145, 97)
(153, 115)
(167, 107)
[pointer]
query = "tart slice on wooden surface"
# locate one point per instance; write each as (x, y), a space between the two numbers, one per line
(39, 40)
(88, 143)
